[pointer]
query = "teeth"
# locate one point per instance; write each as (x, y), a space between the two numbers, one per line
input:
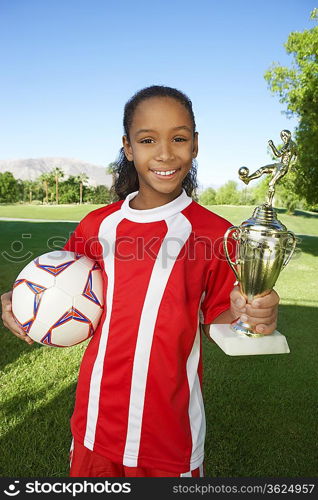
(169, 172)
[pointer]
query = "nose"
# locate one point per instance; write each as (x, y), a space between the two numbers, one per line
(164, 151)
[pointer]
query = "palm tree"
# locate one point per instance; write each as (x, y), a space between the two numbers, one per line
(82, 178)
(29, 187)
(46, 178)
(110, 170)
(58, 174)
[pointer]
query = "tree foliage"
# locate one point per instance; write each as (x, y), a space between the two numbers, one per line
(228, 194)
(74, 189)
(297, 87)
(208, 197)
(9, 188)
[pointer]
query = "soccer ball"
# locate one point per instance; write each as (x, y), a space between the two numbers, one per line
(58, 298)
(243, 172)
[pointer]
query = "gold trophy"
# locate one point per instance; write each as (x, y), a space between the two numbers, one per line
(264, 247)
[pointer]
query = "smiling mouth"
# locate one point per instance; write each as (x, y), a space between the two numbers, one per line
(165, 173)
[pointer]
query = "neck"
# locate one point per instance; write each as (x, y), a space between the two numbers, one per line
(146, 200)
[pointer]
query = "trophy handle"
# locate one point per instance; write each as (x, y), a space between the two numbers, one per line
(294, 242)
(228, 258)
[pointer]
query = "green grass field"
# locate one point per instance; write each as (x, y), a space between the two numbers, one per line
(55, 212)
(261, 410)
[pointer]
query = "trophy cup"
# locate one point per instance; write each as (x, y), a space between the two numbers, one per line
(264, 247)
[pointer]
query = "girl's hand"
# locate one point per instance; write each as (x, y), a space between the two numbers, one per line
(8, 318)
(261, 314)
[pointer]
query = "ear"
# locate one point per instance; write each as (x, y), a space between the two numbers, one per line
(195, 145)
(127, 148)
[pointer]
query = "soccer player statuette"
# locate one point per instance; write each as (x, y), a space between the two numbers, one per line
(278, 170)
(264, 248)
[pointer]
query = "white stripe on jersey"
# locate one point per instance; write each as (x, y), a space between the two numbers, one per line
(186, 474)
(107, 238)
(201, 471)
(189, 474)
(196, 407)
(179, 230)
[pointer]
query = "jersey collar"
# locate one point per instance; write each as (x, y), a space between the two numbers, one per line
(155, 214)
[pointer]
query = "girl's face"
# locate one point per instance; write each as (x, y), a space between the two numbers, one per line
(161, 140)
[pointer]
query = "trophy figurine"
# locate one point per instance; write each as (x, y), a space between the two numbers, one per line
(264, 247)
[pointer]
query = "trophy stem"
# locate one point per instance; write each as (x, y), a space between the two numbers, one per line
(243, 328)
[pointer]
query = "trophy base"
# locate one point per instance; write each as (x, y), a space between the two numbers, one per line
(234, 344)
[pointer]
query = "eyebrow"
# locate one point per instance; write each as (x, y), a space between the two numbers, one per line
(144, 130)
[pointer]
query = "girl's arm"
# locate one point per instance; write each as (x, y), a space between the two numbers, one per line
(226, 317)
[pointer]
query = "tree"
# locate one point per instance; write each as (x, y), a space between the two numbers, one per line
(9, 188)
(228, 194)
(28, 190)
(58, 174)
(260, 189)
(100, 195)
(207, 197)
(82, 178)
(111, 170)
(297, 87)
(46, 179)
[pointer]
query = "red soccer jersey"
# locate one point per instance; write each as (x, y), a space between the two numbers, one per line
(139, 399)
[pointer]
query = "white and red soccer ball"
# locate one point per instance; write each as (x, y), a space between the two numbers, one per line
(58, 298)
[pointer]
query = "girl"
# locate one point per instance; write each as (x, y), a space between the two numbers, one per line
(139, 408)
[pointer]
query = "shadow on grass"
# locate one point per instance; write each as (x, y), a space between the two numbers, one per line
(12, 348)
(308, 215)
(38, 446)
(308, 244)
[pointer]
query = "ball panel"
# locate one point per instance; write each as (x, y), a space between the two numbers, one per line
(56, 262)
(97, 285)
(73, 279)
(96, 319)
(57, 257)
(38, 330)
(54, 304)
(87, 307)
(86, 262)
(24, 302)
(36, 275)
(70, 333)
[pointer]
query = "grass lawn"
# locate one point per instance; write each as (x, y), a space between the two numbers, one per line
(54, 212)
(261, 411)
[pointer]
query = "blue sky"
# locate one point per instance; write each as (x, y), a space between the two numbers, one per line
(69, 66)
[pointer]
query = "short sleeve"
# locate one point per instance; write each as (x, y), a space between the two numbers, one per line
(83, 240)
(219, 284)
(76, 242)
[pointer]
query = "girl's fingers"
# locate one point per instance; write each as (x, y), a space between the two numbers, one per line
(15, 329)
(266, 329)
(9, 321)
(261, 313)
(22, 336)
(256, 320)
(270, 300)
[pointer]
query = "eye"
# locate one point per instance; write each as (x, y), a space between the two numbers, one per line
(180, 139)
(146, 141)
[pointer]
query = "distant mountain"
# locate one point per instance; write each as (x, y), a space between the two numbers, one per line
(32, 168)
